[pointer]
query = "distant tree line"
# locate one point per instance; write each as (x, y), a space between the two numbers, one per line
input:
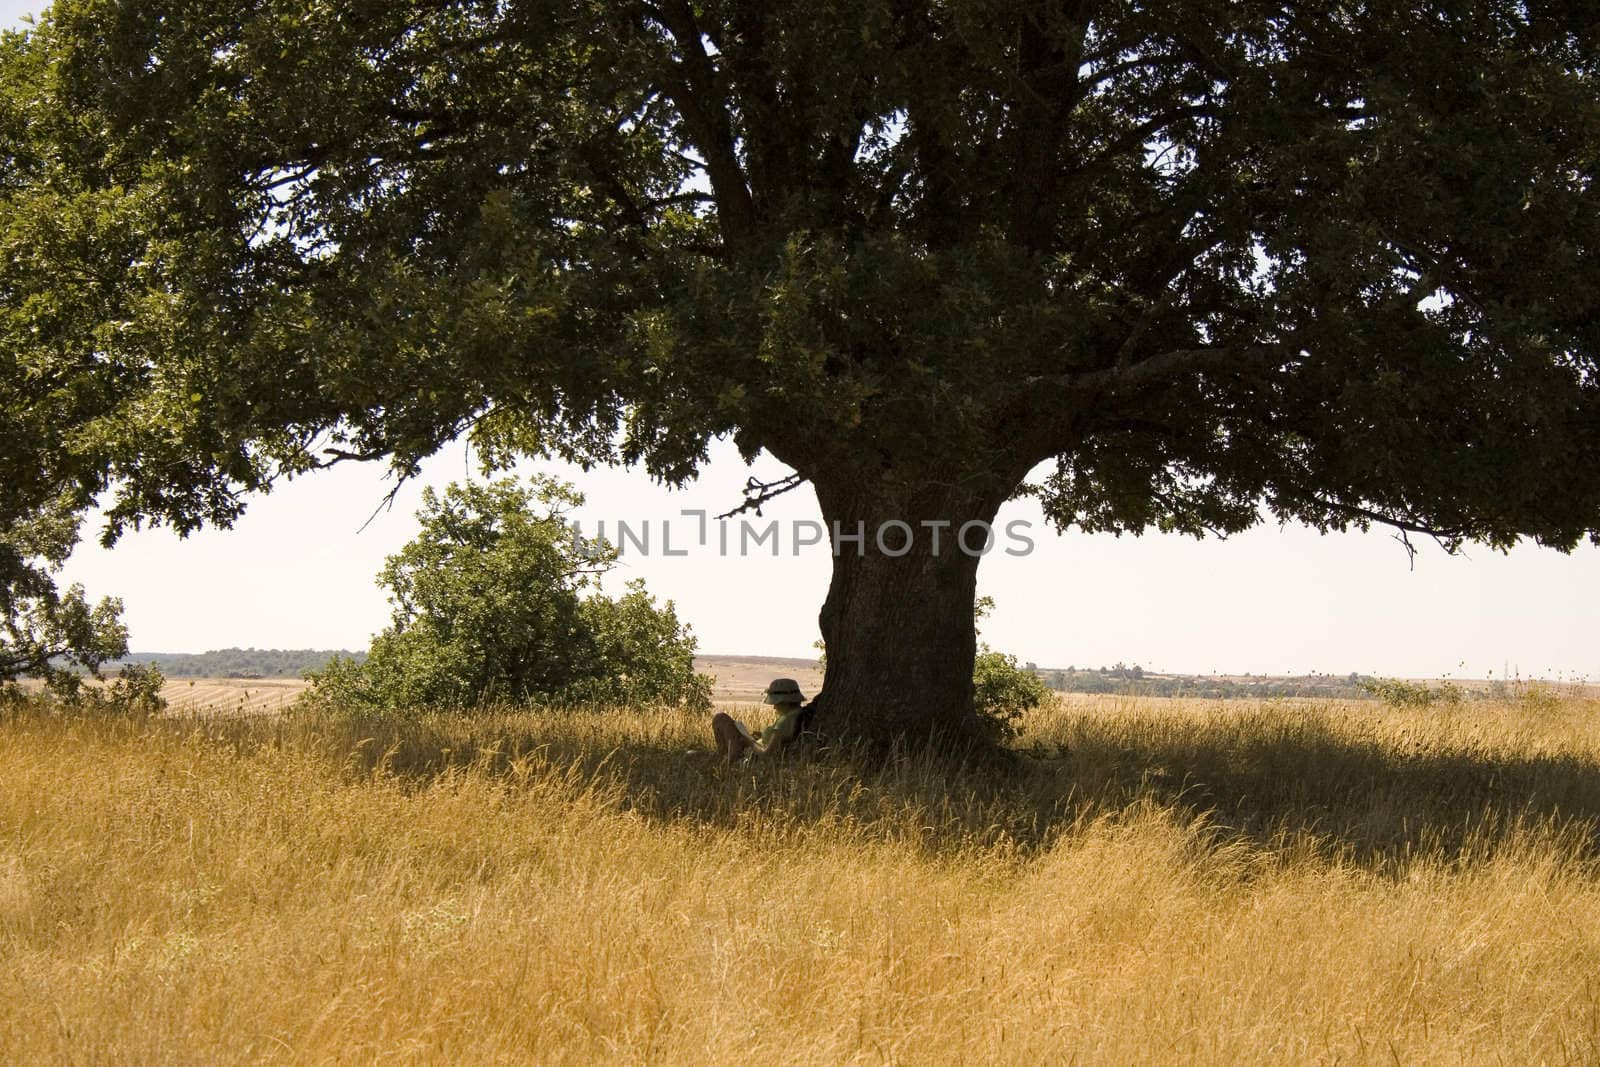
(1122, 678)
(243, 662)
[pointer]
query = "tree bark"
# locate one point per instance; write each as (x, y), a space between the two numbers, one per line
(897, 625)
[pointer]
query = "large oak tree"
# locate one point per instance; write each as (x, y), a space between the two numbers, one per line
(1327, 261)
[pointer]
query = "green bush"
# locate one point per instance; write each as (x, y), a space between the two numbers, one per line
(136, 690)
(1402, 694)
(1002, 690)
(495, 601)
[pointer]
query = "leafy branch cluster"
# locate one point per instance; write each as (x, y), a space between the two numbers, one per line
(60, 637)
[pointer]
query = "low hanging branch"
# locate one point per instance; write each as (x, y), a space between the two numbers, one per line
(757, 493)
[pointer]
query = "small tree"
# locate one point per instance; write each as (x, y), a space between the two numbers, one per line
(61, 637)
(496, 600)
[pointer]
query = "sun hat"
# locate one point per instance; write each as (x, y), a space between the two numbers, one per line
(784, 691)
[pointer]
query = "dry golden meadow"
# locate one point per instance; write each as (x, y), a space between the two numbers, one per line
(1157, 881)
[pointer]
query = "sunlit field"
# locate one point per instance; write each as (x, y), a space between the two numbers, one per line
(1148, 882)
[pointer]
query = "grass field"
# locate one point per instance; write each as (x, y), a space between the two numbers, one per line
(1156, 882)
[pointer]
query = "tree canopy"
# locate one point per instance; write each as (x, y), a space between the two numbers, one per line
(1332, 262)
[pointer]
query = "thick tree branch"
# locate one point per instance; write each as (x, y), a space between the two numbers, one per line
(1448, 538)
(1136, 137)
(773, 124)
(1048, 414)
(340, 455)
(1098, 77)
(1157, 370)
(1050, 88)
(692, 83)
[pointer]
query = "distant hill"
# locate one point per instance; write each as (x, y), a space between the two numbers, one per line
(242, 662)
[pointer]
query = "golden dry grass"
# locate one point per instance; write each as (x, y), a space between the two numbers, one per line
(1157, 882)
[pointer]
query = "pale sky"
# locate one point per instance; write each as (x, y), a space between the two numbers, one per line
(296, 573)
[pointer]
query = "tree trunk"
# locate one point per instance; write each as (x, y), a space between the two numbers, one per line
(897, 625)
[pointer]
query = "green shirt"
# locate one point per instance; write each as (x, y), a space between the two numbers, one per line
(785, 728)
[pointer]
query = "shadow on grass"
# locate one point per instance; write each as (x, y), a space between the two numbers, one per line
(1269, 780)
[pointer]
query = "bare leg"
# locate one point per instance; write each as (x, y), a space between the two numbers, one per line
(731, 742)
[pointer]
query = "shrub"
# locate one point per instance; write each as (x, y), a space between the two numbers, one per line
(1402, 694)
(135, 691)
(1002, 691)
(495, 600)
